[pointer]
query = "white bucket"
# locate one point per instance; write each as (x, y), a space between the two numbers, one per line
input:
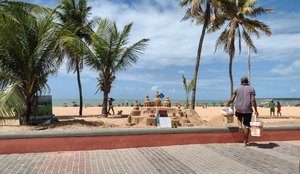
(227, 115)
(256, 128)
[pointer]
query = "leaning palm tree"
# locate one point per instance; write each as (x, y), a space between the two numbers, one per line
(73, 15)
(240, 24)
(112, 54)
(29, 54)
(199, 11)
(187, 88)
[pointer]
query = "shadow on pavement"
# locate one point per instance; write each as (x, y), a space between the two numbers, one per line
(265, 146)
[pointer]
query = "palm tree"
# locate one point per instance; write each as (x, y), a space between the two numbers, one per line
(199, 11)
(74, 14)
(241, 24)
(187, 88)
(29, 54)
(112, 55)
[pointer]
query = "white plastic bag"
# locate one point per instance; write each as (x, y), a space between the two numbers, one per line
(227, 111)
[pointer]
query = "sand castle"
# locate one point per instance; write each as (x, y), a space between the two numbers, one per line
(146, 115)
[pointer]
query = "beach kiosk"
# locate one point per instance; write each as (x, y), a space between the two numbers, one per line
(43, 111)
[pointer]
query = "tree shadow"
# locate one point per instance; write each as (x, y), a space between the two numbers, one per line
(264, 146)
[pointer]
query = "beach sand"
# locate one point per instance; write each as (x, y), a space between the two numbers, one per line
(90, 120)
(210, 115)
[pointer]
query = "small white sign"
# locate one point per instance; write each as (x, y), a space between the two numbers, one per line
(165, 122)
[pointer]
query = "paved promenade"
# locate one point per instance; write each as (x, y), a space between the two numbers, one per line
(262, 157)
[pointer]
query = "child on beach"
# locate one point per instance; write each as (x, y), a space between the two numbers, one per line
(278, 109)
(272, 108)
(110, 106)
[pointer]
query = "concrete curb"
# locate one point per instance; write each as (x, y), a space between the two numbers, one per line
(53, 141)
(130, 131)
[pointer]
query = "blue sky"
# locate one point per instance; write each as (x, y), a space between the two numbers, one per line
(172, 52)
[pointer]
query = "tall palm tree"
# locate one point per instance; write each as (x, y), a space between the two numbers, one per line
(199, 11)
(74, 14)
(240, 24)
(187, 88)
(29, 54)
(112, 54)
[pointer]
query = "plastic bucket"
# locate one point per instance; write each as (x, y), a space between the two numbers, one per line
(228, 118)
(227, 115)
(256, 129)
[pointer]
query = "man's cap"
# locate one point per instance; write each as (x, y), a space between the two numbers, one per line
(244, 80)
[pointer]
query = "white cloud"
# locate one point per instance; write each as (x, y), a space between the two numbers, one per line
(287, 70)
(293, 91)
(155, 88)
(172, 90)
(181, 72)
(174, 44)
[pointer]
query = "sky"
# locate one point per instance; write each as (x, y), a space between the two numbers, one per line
(275, 68)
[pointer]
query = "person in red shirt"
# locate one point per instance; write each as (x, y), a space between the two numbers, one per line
(278, 109)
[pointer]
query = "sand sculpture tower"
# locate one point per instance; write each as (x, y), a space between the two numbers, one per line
(167, 102)
(156, 100)
(147, 102)
(136, 105)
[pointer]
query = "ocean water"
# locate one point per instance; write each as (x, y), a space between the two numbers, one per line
(129, 102)
(121, 102)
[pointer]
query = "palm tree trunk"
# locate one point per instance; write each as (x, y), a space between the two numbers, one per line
(28, 112)
(198, 58)
(104, 105)
(80, 88)
(230, 75)
(231, 79)
(29, 101)
(231, 51)
(249, 65)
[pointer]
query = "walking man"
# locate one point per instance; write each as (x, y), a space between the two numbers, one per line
(245, 100)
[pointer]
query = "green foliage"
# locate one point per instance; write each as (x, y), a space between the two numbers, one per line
(11, 101)
(239, 21)
(112, 53)
(29, 54)
(73, 15)
(243, 17)
(187, 88)
(199, 11)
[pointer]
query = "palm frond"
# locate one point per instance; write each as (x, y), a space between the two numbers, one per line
(260, 11)
(240, 39)
(252, 26)
(12, 100)
(190, 85)
(184, 3)
(222, 40)
(217, 23)
(131, 54)
(249, 42)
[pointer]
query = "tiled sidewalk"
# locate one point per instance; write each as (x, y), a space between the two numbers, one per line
(262, 157)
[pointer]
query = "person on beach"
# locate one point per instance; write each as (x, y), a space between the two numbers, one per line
(278, 109)
(272, 108)
(110, 106)
(245, 100)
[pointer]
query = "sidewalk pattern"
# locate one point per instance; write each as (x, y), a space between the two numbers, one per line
(263, 157)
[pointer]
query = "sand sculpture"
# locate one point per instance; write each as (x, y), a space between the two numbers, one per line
(146, 115)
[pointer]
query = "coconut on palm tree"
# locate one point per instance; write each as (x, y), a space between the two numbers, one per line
(29, 54)
(199, 11)
(112, 54)
(239, 23)
(73, 15)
